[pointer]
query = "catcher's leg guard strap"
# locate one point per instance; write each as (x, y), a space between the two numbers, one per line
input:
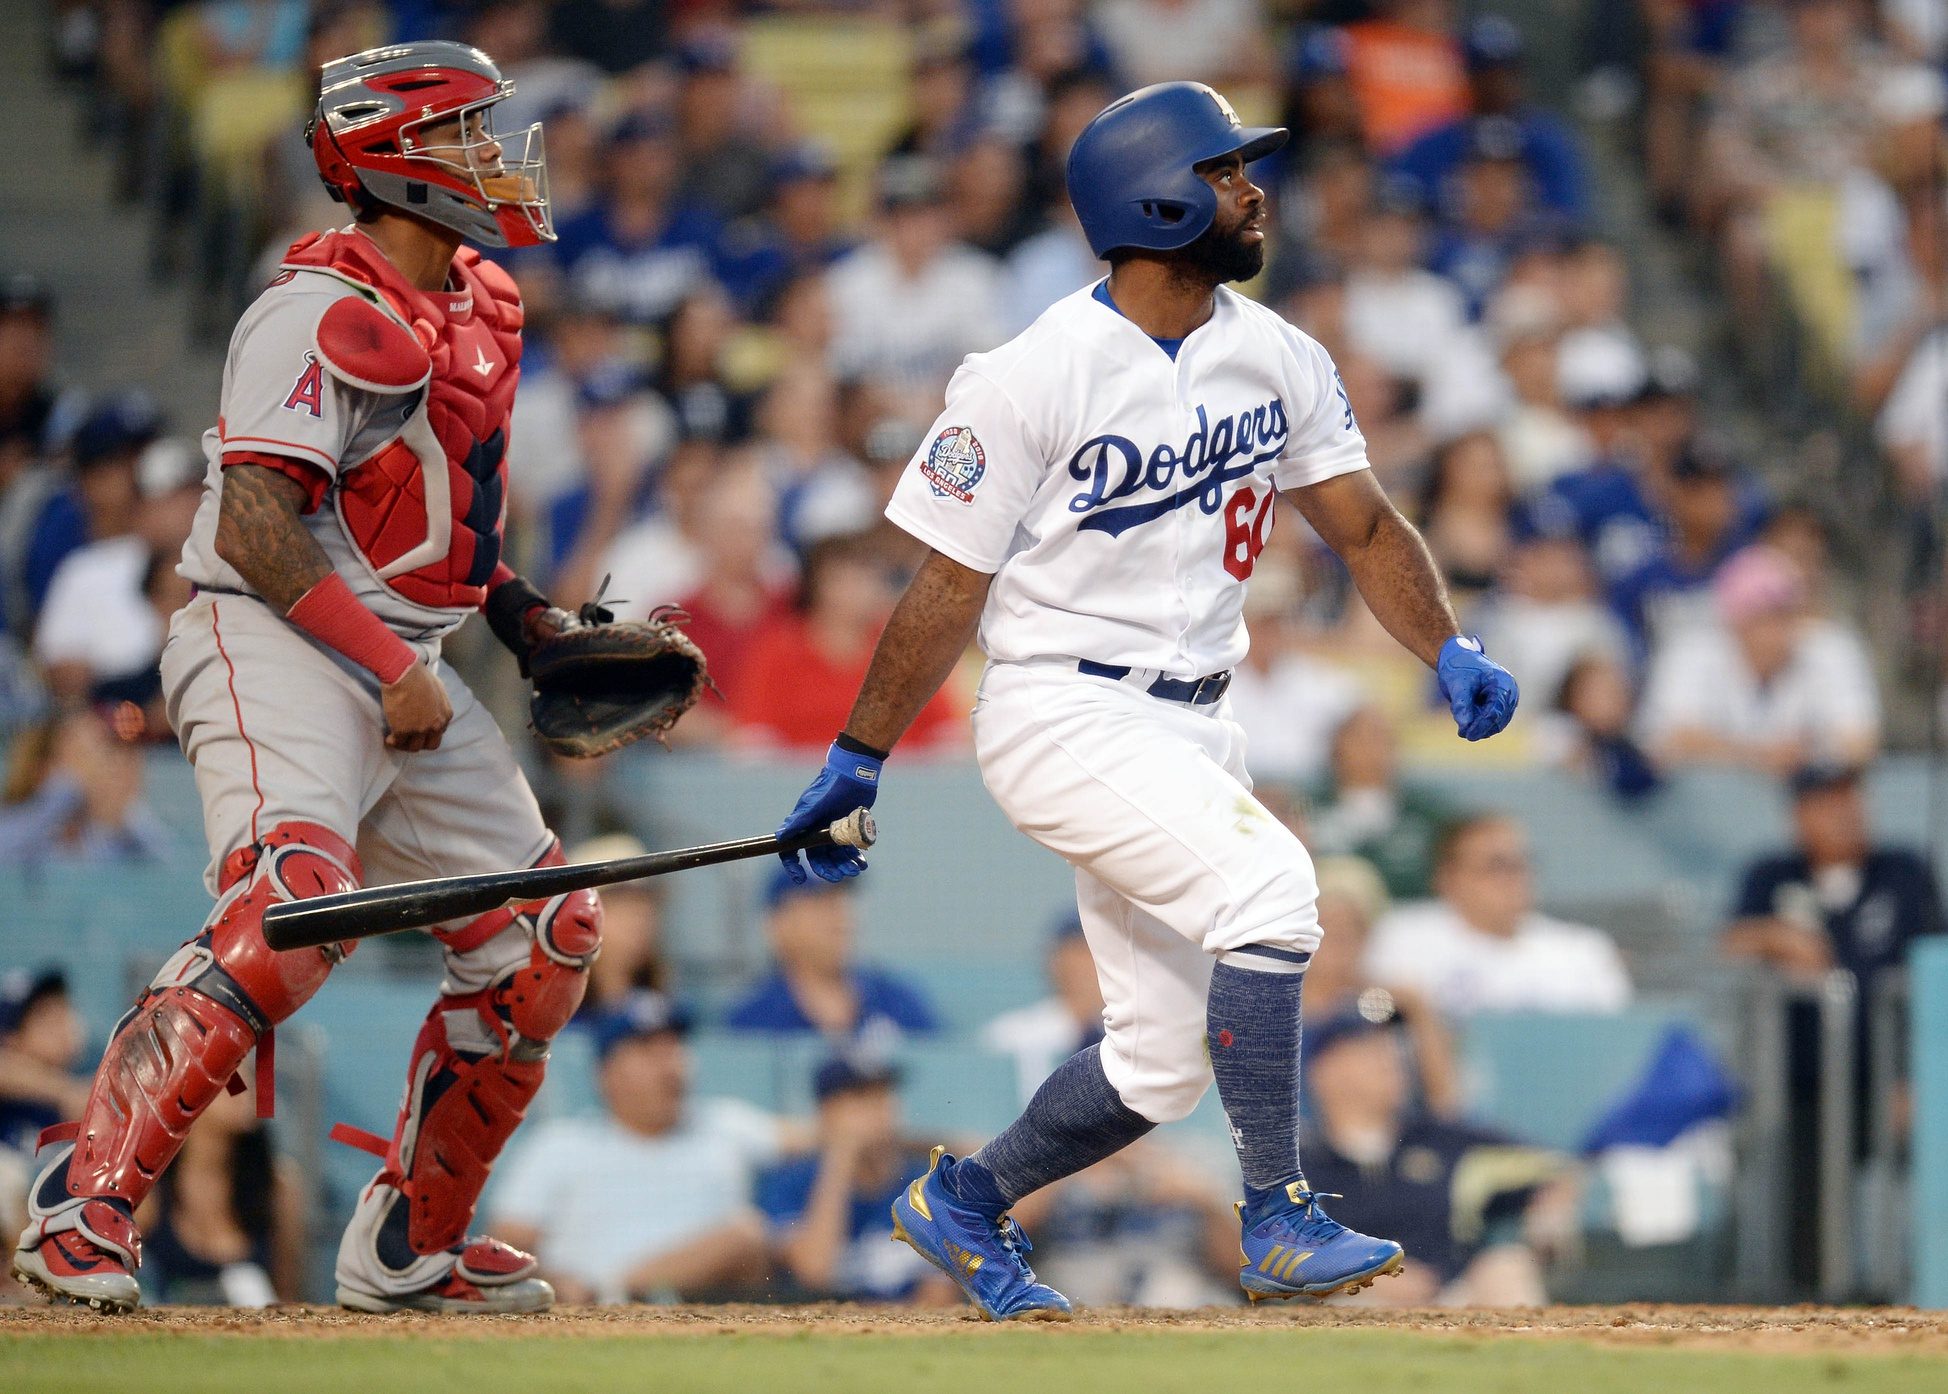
(459, 1111)
(213, 1000)
(478, 1061)
(106, 1222)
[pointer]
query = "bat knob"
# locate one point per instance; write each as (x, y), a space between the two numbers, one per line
(856, 829)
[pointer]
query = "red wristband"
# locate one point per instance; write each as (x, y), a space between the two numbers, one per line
(332, 615)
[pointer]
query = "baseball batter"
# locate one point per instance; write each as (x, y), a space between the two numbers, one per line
(1094, 496)
(352, 518)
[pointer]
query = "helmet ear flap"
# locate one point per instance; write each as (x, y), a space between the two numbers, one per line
(337, 173)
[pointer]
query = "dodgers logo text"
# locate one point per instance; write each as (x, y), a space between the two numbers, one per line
(1217, 453)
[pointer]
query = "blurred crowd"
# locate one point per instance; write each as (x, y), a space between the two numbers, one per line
(1803, 143)
(765, 274)
(781, 227)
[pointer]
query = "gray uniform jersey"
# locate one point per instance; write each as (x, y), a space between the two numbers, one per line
(280, 399)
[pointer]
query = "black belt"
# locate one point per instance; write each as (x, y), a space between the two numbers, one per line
(1196, 691)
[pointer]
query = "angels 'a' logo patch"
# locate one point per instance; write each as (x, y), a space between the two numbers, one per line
(308, 392)
(954, 465)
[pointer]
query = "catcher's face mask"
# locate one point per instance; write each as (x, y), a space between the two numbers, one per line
(410, 126)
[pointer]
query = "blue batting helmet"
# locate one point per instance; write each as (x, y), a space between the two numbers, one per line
(1132, 171)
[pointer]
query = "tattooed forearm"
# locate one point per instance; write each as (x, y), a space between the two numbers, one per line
(260, 531)
(930, 629)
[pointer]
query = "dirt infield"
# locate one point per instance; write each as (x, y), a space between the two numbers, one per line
(1777, 1330)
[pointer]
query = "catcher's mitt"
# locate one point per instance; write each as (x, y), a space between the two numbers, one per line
(598, 685)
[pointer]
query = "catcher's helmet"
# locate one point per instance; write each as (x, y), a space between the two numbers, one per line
(366, 137)
(1132, 172)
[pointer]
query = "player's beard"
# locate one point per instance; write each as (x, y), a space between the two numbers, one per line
(1223, 254)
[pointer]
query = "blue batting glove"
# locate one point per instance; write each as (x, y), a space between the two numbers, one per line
(1480, 691)
(848, 781)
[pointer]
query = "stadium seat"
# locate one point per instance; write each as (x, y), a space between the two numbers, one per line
(1584, 846)
(944, 851)
(1547, 1078)
(956, 1090)
(843, 81)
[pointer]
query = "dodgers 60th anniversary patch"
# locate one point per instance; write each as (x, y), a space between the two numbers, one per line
(955, 463)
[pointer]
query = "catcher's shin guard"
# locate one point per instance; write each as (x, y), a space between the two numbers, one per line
(514, 978)
(217, 997)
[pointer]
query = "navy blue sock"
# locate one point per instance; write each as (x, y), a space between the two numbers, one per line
(1252, 1017)
(1074, 1121)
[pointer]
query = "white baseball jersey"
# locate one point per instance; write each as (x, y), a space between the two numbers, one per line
(1118, 495)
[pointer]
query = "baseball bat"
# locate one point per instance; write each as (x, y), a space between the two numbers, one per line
(332, 919)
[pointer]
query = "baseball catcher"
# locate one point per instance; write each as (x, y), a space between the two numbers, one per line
(352, 517)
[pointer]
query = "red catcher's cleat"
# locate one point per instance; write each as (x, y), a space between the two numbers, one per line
(89, 1265)
(485, 1276)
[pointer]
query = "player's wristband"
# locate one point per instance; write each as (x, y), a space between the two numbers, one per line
(332, 615)
(507, 607)
(853, 746)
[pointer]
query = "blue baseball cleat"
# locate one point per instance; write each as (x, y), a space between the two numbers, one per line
(1292, 1248)
(985, 1259)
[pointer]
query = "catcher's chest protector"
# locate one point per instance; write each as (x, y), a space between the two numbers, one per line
(427, 508)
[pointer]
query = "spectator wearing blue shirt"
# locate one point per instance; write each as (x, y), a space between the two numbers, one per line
(1548, 150)
(827, 1209)
(1492, 218)
(1666, 419)
(650, 1200)
(1604, 504)
(101, 497)
(626, 434)
(1707, 512)
(1469, 1204)
(797, 233)
(816, 986)
(1837, 898)
(639, 249)
(74, 796)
